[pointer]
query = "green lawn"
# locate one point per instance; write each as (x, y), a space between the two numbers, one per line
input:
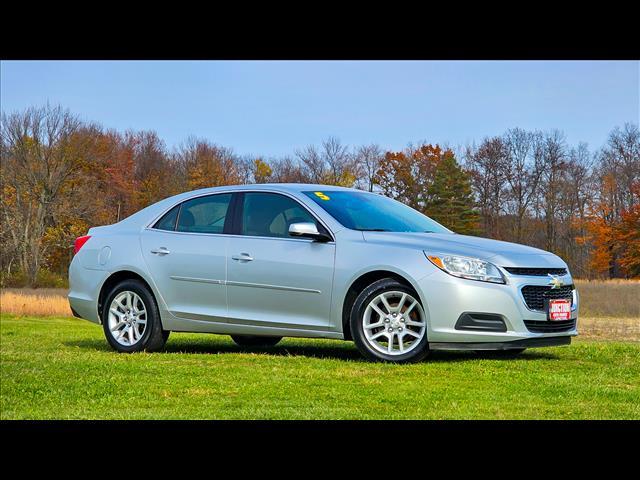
(62, 368)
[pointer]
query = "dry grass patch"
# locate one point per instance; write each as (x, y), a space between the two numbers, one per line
(609, 298)
(45, 292)
(610, 328)
(40, 302)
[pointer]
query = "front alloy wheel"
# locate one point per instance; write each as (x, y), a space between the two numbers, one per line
(388, 323)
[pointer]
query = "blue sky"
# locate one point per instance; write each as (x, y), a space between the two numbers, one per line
(273, 107)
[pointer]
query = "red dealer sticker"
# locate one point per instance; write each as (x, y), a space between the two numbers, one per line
(559, 309)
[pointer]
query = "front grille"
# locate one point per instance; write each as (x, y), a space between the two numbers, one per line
(535, 295)
(542, 326)
(536, 272)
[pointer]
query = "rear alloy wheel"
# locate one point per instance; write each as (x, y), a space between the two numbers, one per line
(127, 318)
(255, 340)
(389, 324)
(131, 320)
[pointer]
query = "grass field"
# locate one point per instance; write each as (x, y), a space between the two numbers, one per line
(62, 368)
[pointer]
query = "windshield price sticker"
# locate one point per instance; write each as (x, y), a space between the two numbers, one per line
(321, 196)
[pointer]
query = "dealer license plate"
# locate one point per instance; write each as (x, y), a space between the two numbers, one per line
(559, 309)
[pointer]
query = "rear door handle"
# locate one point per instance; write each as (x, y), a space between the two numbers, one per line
(242, 257)
(161, 251)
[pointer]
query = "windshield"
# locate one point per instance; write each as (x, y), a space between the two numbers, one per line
(373, 212)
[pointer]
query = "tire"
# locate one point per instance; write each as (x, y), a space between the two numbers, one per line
(510, 353)
(364, 318)
(255, 340)
(126, 332)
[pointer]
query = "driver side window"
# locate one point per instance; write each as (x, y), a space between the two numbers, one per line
(204, 214)
(271, 214)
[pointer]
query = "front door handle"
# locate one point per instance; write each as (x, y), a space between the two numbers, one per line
(161, 251)
(242, 257)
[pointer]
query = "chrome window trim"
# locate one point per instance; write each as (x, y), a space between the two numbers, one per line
(233, 235)
(149, 226)
(159, 216)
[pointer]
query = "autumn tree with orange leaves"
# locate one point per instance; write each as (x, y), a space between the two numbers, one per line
(612, 224)
(406, 176)
(628, 235)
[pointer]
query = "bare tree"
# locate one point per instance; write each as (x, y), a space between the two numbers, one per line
(287, 170)
(312, 163)
(340, 164)
(245, 166)
(575, 194)
(488, 166)
(522, 173)
(551, 152)
(621, 158)
(40, 152)
(368, 158)
(331, 164)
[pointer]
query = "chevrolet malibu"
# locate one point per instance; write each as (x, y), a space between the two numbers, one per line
(262, 262)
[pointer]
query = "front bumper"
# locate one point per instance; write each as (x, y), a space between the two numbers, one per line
(512, 345)
(446, 298)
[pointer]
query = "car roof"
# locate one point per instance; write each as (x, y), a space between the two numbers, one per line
(152, 212)
(287, 187)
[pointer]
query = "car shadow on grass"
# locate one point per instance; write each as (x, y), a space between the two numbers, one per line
(342, 351)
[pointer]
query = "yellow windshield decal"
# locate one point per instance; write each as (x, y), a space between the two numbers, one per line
(321, 196)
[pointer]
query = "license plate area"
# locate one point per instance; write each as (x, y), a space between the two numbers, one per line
(558, 309)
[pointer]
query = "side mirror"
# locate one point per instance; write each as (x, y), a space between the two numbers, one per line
(307, 230)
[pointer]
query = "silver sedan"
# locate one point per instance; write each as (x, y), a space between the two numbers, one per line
(261, 262)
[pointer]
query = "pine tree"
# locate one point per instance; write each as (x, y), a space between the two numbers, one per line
(449, 197)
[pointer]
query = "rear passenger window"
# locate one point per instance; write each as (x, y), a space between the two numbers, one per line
(204, 214)
(168, 221)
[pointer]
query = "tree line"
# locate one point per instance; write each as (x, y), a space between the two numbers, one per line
(61, 175)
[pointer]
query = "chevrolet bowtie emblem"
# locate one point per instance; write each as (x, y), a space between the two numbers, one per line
(555, 282)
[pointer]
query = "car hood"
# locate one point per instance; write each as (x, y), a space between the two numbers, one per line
(501, 253)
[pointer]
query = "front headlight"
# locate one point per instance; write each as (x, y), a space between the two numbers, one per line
(466, 267)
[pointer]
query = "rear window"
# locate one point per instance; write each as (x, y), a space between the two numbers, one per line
(204, 214)
(168, 221)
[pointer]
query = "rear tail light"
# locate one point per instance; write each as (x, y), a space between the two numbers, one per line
(80, 241)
